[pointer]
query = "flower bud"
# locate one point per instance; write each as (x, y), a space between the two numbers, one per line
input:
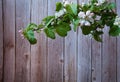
(87, 23)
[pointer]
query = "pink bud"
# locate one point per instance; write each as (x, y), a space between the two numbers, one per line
(20, 31)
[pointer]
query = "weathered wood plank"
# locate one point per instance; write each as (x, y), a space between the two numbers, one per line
(96, 61)
(39, 51)
(109, 57)
(118, 44)
(22, 71)
(70, 67)
(1, 42)
(84, 55)
(9, 40)
(55, 52)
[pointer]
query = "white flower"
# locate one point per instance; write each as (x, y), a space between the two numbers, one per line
(64, 10)
(100, 2)
(91, 20)
(99, 29)
(60, 13)
(88, 13)
(84, 23)
(98, 17)
(81, 14)
(52, 23)
(87, 23)
(83, 4)
(117, 21)
(66, 3)
(86, 18)
(91, 15)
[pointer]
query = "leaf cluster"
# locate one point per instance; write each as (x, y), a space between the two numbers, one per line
(52, 25)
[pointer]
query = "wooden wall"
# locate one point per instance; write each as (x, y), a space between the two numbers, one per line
(76, 58)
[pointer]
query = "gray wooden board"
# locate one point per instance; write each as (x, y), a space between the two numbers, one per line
(84, 55)
(9, 40)
(118, 44)
(55, 52)
(39, 51)
(70, 56)
(1, 42)
(22, 71)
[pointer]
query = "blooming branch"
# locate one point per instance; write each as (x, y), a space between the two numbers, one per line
(91, 18)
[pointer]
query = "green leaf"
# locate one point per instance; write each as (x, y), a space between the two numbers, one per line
(49, 33)
(59, 6)
(62, 29)
(30, 36)
(69, 10)
(86, 30)
(93, 1)
(76, 23)
(31, 26)
(111, 5)
(48, 20)
(97, 38)
(40, 26)
(114, 31)
(72, 9)
(99, 32)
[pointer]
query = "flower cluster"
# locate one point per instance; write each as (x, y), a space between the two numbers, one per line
(91, 18)
(117, 21)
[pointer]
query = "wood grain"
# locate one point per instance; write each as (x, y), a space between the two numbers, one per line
(109, 59)
(55, 52)
(1, 42)
(9, 40)
(118, 44)
(84, 55)
(70, 67)
(22, 73)
(76, 58)
(109, 53)
(39, 51)
(96, 61)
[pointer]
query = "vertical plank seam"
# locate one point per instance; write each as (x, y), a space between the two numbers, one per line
(77, 51)
(101, 58)
(91, 61)
(64, 59)
(3, 40)
(116, 52)
(47, 50)
(101, 61)
(30, 45)
(15, 40)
